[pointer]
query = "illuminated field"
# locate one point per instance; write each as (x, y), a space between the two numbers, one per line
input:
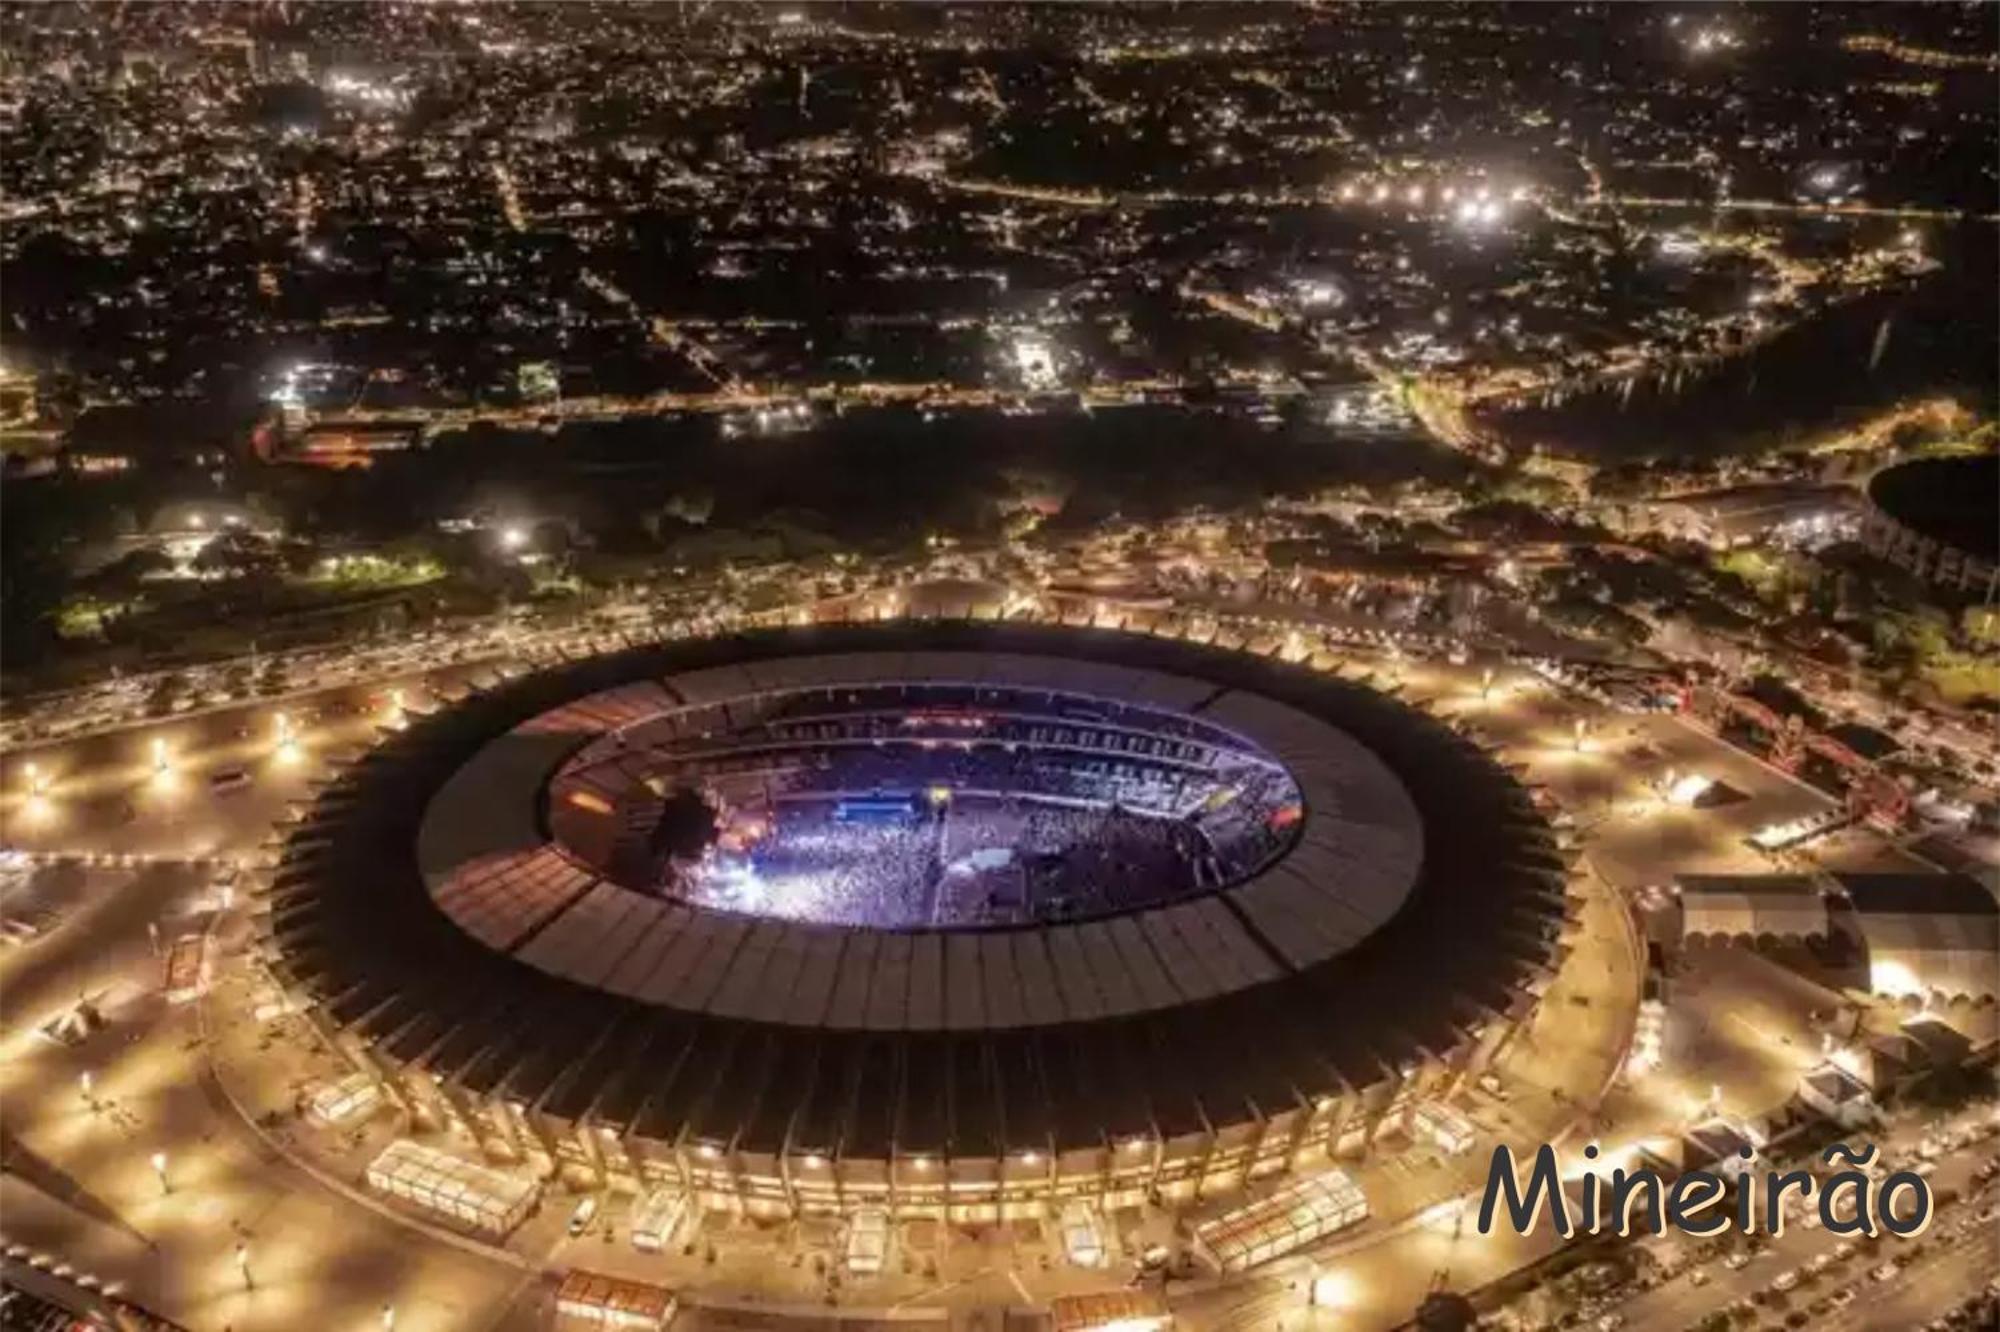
(928, 804)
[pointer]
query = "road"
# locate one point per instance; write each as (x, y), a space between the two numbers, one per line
(1949, 1263)
(310, 1247)
(105, 795)
(81, 1181)
(106, 792)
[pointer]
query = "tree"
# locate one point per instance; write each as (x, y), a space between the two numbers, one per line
(237, 555)
(1911, 639)
(121, 578)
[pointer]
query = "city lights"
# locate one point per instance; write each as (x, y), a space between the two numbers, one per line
(1478, 213)
(1035, 362)
(1332, 1290)
(625, 614)
(1704, 41)
(1688, 788)
(163, 767)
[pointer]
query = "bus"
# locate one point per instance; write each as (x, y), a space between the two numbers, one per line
(655, 1218)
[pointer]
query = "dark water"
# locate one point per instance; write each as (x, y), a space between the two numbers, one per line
(1939, 335)
(1956, 500)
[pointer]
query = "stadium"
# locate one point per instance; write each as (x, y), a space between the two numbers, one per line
(960, 918)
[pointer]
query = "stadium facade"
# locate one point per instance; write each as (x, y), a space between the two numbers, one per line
(454, 912)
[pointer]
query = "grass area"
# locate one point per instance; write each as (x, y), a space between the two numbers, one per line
(1768, 574)
(88, 617)
(1961, 678)
(1933, 423)
(372, 573)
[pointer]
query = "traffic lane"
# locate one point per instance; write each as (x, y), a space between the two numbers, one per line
(176, 815)
(1371, 1287)
(100, 949)
(111, 794)
(108, 792)
(311, 1252)
(1680, 1301)
(244, 726)
(1931, 1286)
(121, 704)
(314, 1258)
(472, 649)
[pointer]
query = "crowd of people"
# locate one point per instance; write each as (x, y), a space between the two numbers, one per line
(811, 866)
(901, 806)
(979, 834)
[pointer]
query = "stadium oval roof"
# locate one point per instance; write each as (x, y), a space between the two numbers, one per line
(1423, 901)
(492, 866)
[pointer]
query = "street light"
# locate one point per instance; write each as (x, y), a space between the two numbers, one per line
(1330, 1290)
(160, 1169)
